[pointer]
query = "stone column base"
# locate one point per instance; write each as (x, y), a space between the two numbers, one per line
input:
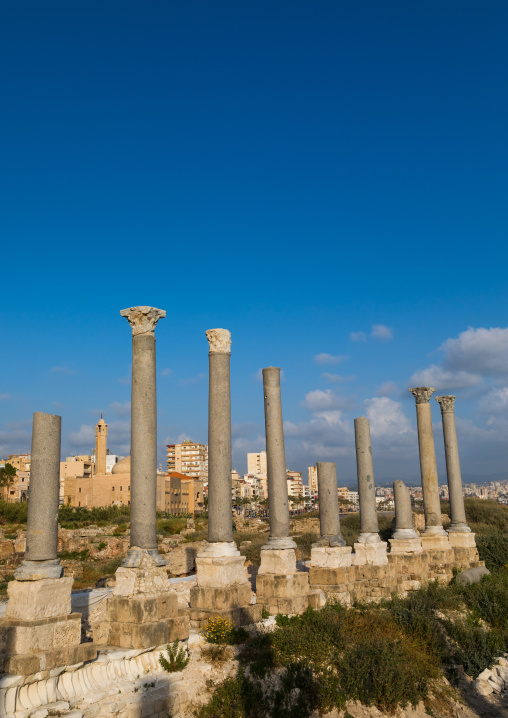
(405, 545)
(223, 588)
(370, 554)
(279, 586)
(461, 539)
(141, 622)
(435, 542)
(330, 556)
(27, 647)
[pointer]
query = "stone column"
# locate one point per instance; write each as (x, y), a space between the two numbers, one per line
(43, 498)
(39, 632)
(276, 462)
(329, 517)
(404, 528)
(143, 321)
(222, 585)
(220, 522)
(428, 467)
(457, 510)
(369, 529)
(279, 586)
(331, 550)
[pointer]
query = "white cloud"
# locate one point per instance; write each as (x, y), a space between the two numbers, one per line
(479, 351)
(382, 332)
(358, 336)
(334, 378)
(84, 437)
(166, 372)
(386, 417)
(495, 402)
(387, 388)
(4, 397)
(319, 400)
(121, 409)
(325, 358)
(441, 378)
(63, 370)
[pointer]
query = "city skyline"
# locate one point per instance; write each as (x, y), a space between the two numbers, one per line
(327, 182)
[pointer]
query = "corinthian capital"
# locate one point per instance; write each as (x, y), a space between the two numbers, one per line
(219, 341)
(446, 403)
(143, 319)
(422, 394)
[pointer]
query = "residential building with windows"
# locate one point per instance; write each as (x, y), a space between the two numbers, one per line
(188, 458)
(257, 465)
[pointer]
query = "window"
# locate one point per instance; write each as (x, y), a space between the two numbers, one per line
(113, 488)
(121, 488)
(79, 490)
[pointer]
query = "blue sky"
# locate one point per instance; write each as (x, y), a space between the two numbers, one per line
(320, 178)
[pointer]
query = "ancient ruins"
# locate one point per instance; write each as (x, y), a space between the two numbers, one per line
(44, 660)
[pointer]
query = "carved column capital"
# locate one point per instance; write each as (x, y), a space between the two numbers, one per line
(446, 403)
(219, 341)
(143, 320)
(422, 394)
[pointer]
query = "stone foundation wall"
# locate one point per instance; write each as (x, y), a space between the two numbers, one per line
(403, 573)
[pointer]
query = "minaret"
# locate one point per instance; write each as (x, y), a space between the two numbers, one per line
(101, 436)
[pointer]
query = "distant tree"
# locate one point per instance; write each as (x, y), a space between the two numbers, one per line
(7, 475)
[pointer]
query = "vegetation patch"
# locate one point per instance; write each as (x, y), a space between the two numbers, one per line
(221, 631)
(177, 658)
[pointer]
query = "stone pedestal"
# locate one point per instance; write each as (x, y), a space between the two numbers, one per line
(464, 549)
(223, 588)
(331, 556)
(39, 631)
(279, 586)
(143, 610)
(370, 554)
(405, 545)
(435, 542)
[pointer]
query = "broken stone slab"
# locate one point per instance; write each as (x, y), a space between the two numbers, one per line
(482, 687)
(472, 575)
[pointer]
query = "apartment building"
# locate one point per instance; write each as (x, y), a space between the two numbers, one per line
(295, 483)
(256, 464)
(313, 482)
(183, 494)
(188, 458)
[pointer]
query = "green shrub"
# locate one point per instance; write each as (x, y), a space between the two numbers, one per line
(73, 517)
(74, 555)
(177, 658)
(172, 526)
(493, 549)
(14, 513)
(476, 647)
(101, 546)
(488, 599)
(221, 630)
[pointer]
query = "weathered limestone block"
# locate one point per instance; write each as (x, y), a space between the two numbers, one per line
(435, 542)
(32, 600)
(408, 545)
(281, 586)
(278, 561)
(221, 598)
(461, 539)
(239, 615)
(148, 580)
(331, 556)
(221, 572)
(144, 635)
(19, 637)
(373, 554)
(182, 560)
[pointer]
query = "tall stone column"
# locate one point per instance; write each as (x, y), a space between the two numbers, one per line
(279, 586)
(143, 609)
(428, 467)
(369, 528)
(223, 588)
(220, 523)
(276, 462)
(43, 498)
(404, 528)
(329, 517)
(143, 321)
(39, 629)
(457, 510)
(331, 550)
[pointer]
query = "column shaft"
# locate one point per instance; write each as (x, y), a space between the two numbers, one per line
(428, 467)
(43, 494)
(456, 493)
(369, 528)
(329, 517)
(403, 512)
(220, 524)
(143, 443)
(275, 455)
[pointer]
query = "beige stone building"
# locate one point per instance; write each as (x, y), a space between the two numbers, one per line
(256, 464)
(295, 483)
(183, 495)
(20, 462)
(188, 458)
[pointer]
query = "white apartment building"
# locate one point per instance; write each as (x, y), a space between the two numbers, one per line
(295, 483)
(189, 458)
(256, 464)
(313, 483)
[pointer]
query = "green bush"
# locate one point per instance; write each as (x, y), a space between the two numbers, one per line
(177, 658)
(172, 526)
(488, 599)
(476, 647)
(73, 517)
(14, 513)
(493, 549)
